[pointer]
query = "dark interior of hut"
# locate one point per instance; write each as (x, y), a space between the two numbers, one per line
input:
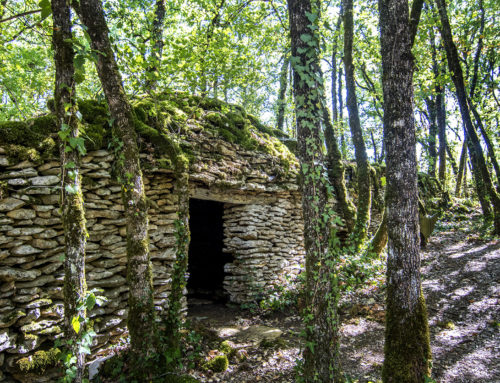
(206, 259)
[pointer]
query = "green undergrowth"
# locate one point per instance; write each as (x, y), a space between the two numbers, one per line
(163, 123)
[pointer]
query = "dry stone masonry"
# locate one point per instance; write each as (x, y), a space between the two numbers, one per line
(263, 230)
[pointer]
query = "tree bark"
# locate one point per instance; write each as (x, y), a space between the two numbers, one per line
(360, 231)
(282, 92)
(461, 167)
(141, 316)
(441, 122)
(452, 160)
(321, 353)
(73, 214)
(489, 144)
(157, 46)
(484, 185)
(407, 346)
(343, 143)
(182, 234)
(430, 103)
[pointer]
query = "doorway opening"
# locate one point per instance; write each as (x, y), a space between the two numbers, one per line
(206, 259)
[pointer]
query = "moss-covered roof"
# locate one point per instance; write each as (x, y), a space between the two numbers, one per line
(171, 114)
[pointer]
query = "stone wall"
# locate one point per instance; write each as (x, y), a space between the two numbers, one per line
(262, 229)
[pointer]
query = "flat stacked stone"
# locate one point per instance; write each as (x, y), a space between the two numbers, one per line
(263, 230)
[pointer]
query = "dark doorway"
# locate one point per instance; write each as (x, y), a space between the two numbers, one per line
(206, 259)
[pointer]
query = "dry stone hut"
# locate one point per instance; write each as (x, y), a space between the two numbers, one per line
(247, 230)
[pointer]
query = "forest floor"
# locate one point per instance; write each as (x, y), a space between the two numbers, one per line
(461, 283)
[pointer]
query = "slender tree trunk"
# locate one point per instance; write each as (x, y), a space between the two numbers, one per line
(141, 315)
(336, 173)
(484, 185)
(321, 354)
(441, 122)
(379, 240)
(334, 69)
(73, 215)
(452, 160)
(174, 311)
(489, 144)
(407, 346)
(157, 46)
(282, 92)
(461, 167)
(363, 168)
(343, 143)
(430, 102)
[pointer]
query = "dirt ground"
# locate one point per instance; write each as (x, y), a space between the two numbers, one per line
(461, 282)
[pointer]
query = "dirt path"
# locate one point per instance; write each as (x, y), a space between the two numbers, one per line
(462, 287)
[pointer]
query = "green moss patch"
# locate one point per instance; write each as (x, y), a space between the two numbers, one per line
(39, 361)
(163, 124)
(218, 363)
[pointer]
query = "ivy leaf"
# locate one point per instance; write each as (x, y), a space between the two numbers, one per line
(383, 181)
(75, 323)
(91, 301)
(46, 8)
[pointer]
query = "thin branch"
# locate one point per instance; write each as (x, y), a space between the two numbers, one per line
(20, 15)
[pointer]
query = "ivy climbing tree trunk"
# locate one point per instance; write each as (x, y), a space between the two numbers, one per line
(321, 353)
(407, 345)
(73, 215)
(182, 237)
(482, 178)
(360, 231)
(141, 315)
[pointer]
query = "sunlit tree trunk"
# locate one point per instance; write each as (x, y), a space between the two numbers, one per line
(141, 323)
(407, 345)
(73, 215)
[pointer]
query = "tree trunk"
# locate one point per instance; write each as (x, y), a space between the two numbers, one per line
(360, 231)
(484, 185)
(441, 122)
(157, 46)
(321, 353)
(182, 234)
(489, 144)
(452, 160)
(141, 315)
(379, 240)
(73, 215)
(282, 92)
(461, 167)
(343, 143)
(430, 102)
(407, 346)
(336, 173)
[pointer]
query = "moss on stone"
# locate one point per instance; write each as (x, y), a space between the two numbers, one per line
(227, 349)
(29, 133)
(159, 122)
(39, 361)
(219, 363)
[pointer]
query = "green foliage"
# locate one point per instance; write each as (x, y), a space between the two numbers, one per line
(85, 335)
